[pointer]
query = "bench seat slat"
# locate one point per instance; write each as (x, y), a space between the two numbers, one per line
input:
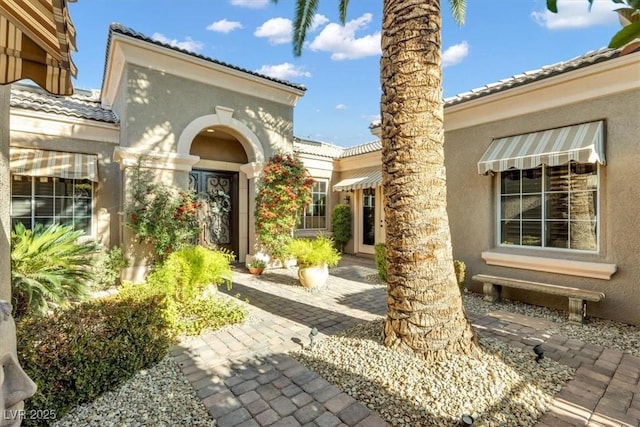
(584, 294)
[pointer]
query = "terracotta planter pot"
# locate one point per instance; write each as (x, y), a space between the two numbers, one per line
(313, 277)
(256, 271)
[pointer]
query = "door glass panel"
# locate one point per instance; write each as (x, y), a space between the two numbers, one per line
(368, 216)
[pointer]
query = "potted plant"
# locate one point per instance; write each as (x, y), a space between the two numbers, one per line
(314, 257)
(256, 266)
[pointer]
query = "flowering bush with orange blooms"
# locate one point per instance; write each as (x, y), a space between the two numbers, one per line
(284, 190)
(161, 215)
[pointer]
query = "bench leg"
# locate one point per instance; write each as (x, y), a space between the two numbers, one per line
(577, 310)
(491, 292)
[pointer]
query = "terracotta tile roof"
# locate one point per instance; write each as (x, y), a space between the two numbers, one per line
(82, 104)
(317, 148)
(121, 29)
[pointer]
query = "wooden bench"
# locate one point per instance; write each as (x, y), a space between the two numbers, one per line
(492, 287)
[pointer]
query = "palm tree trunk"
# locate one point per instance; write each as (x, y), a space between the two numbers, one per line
(424, 306)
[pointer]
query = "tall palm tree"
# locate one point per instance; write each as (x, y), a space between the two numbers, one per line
(425, 314)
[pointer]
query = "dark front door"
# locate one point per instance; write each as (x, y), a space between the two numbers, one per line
(217, 192)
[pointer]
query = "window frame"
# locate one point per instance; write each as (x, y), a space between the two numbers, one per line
(547, 249)
(89, 232)
(303, 218)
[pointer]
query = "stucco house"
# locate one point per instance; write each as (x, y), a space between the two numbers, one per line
(537, 164)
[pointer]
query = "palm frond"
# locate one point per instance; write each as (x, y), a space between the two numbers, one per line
(458, 10)
(49, 266)
(305, 11)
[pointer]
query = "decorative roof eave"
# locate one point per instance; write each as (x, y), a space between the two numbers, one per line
(552, 75)
(126, 46)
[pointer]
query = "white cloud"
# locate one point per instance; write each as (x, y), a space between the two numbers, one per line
(251, 4)
(576, 14)
(341, 40)
(341, 107)
(284, 71)
(224, 26)
(276, 30)
(455, 54)
(188, 43)
(318, 21)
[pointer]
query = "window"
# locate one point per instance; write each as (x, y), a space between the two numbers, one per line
(315, 215)
(550, 207)
(47, 200)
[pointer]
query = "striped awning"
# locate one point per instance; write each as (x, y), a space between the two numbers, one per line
(359, 179)
(36, 40)
(582, 143)
(30, 162)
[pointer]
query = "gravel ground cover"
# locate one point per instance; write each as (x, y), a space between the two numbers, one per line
(505, 387)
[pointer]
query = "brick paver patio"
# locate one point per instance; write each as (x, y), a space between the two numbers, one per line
(245, 377)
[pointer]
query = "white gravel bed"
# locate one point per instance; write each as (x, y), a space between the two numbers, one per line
(504, 387)
(159, 396)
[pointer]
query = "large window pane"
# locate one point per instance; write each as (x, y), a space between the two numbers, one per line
(315, 214)
(563, 198)
(510, 182)
(583, 235)
(510, 232)
(510, 207)
(532, 181)
(532, 206)
(38, 200)
(532, 233)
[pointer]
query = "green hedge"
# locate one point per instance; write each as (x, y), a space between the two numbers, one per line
(77, 354)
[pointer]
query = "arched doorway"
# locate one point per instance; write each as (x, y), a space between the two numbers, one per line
(216, 181)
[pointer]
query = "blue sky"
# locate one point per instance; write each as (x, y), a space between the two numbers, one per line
(340, 65)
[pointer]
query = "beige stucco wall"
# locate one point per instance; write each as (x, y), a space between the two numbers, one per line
(5, 191)
(160, 106)
(472, 204)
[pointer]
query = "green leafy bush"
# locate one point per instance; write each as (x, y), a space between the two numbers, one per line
(341, 221)
(314, 252)
(187, 272)
(76, 354)
(50, 267)
(107, 268)
(162, 215)
(381, 261)
(183, 279)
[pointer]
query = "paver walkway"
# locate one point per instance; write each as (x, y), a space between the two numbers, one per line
(245, 377)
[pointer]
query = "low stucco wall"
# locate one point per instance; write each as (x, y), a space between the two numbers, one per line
(472, 205)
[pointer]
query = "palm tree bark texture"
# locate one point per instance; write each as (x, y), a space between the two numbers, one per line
(425, 314)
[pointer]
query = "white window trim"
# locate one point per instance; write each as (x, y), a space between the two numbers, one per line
(498, 235)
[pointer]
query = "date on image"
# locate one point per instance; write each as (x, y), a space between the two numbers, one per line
(28, 414)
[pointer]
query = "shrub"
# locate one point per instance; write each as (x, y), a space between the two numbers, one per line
(187, 272)
(50, 267)
(283, 192)
(74, 355)
(314, 252)
(107, 268)
(341, 221)
(183, 280)
(162, 215)
(381, 261)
